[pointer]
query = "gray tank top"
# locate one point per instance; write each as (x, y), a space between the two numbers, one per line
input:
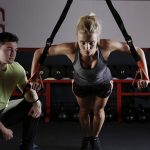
(100, 74)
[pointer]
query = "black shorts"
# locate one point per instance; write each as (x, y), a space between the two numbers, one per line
(101, 90)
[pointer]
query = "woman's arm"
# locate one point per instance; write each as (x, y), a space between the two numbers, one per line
(60, 49)
(111, 46)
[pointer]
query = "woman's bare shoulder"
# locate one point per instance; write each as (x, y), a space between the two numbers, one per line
(104, 43)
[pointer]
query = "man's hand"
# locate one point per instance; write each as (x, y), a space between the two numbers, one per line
(36, 109)
(7, 133)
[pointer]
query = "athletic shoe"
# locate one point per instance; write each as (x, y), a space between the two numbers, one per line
(95, 143)
(85, 145)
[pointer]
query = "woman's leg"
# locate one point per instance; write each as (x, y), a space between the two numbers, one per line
(99, 115)
(84, 117)
(98, 121)
(84, 111)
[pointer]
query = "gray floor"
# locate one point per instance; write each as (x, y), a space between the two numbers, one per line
(67, 136)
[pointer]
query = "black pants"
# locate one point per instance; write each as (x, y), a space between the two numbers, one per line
(16, 112)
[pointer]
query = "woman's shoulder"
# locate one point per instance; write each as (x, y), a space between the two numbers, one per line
(104, 42)
(69, 44)
(70, 50)
(107, 43)
(71, 47)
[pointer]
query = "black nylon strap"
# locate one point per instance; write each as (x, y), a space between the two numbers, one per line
(50, 41)
(55, 30)
(123, 30)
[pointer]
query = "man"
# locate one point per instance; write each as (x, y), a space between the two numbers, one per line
(27, 109)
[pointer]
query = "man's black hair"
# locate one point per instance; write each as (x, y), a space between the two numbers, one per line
(8, 37)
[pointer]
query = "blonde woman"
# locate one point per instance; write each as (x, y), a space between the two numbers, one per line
(92, 84)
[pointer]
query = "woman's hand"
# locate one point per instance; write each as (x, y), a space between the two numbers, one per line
(142, 83)
(37, 85)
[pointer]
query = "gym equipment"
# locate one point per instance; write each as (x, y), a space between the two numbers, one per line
(69, 72)
(75, 115)
(130, 114)
(122, 71)
(62, 116)
(108, 113)
(141, 115)
(113, 70)
(58, 72)
(49, 41)
(133, 69)
(128, 39)
(44, 71)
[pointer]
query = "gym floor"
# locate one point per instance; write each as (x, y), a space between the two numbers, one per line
(67, 135)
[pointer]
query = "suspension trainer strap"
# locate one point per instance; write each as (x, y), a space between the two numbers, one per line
(55, 30)
(49, 42)
(123, 29)
(126, 36)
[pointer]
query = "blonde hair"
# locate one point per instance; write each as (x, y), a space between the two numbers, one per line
(88, 24)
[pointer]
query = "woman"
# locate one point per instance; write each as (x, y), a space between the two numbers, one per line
(92, 84)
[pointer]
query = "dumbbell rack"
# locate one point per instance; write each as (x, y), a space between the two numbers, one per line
(119, 94)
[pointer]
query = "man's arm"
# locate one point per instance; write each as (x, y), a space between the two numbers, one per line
(31, 96)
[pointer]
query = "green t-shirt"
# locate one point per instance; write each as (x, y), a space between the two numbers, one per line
(13, 76)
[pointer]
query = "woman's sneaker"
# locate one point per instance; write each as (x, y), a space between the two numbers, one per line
(85, 145)
(95, 143)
